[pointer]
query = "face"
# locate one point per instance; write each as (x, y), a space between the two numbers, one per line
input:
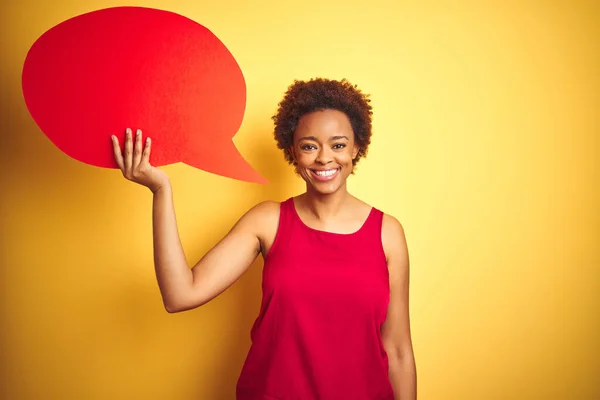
(323, 149)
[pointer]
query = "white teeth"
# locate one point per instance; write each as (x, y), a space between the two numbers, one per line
(326, 173)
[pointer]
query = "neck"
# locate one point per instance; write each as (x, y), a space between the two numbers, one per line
(323, 206)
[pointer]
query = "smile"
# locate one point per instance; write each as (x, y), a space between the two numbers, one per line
(325, 174)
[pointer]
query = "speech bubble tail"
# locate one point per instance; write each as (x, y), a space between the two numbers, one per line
(223, 159)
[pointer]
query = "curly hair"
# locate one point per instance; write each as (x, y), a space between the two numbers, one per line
(303, 97)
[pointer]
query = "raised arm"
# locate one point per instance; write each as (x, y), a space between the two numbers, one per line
(183, 288)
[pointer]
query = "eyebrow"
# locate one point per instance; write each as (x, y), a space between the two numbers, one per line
(331, 139)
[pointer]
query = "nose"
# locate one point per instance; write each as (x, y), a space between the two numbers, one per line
(324, 156)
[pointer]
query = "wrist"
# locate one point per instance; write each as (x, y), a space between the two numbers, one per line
(161, 187)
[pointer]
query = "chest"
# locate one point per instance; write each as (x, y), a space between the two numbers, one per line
(327, 274)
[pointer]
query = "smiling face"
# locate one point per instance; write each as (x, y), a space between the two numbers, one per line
(323, 150)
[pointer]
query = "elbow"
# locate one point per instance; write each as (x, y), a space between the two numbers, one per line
(400, 353)
(176, 300)
(172, 309)
(173, 306)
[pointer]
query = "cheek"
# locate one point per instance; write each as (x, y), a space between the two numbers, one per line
(349, 155)
(303, 159)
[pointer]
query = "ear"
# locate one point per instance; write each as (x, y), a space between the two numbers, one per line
(293, 154)
(355, 151)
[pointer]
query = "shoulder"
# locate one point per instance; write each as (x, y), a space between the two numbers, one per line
(360, 207)
(262, 216)
(263, 211)
(392, 231)
(265, 208)
(391, 227)
(393, 237)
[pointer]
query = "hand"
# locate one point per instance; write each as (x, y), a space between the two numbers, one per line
(135, 162)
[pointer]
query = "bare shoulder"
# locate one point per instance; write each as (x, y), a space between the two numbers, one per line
(264, 210)
(361, 207)
(393, 237)
(392, 231)
(392, 227)
(263, 218)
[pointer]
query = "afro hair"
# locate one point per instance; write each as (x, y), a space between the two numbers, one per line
(304, 97)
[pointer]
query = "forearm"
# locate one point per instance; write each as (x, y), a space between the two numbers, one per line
(403, 377)
(172, 271)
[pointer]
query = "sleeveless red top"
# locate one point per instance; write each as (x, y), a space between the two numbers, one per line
(318, 333)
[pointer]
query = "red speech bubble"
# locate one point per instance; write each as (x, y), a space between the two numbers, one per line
(97, 73)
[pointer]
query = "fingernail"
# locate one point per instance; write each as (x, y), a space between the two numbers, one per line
(138, 132)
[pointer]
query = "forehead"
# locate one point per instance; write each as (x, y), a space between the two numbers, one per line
(323, 124)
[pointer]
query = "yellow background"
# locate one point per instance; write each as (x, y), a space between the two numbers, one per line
(486, 143)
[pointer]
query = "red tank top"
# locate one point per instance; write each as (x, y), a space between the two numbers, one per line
(318, 332)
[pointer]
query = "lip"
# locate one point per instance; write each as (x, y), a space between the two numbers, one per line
(324, 178)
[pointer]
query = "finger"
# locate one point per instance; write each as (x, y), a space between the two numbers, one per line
(147, 148)
(117, 152)
(128, 151)
(137, 150)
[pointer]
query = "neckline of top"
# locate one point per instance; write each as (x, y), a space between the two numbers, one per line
(297, 217)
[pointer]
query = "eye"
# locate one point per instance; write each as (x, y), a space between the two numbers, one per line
(308, 147)
(339, 146)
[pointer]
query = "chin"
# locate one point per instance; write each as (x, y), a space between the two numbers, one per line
(324, 188)
(324, 192)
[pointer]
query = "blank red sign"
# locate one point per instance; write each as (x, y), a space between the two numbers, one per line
(98, 73)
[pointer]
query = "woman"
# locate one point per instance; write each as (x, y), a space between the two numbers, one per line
(334, 321)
